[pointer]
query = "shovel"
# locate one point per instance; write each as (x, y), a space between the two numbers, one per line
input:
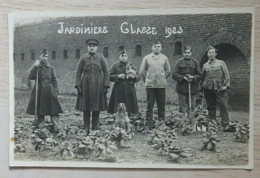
(36, 97)
(189, 90)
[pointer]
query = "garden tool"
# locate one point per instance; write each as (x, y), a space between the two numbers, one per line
(36, 97)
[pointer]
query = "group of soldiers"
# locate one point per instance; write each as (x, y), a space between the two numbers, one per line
(93, 81)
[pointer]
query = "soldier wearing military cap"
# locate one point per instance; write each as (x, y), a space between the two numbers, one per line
(187, 71)
(92, 41)
(154, 70)
(124, 88)
(92, 83)
(44, 97)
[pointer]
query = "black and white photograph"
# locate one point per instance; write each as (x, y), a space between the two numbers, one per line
(144, 88)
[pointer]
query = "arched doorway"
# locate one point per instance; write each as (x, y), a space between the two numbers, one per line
(238, 95)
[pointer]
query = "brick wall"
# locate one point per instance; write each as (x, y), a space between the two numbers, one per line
(198, 32)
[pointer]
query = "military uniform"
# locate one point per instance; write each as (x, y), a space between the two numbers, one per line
(123, 90)
(183, 67)
(47, 99)
(92, 77)
(215, 76)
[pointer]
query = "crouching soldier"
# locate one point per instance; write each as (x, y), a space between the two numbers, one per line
(187, 72)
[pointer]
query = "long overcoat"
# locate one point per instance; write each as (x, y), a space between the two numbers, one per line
(123, 89)
(48, 101)
(92, 75)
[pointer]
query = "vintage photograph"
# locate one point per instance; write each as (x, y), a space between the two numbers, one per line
(158, 88)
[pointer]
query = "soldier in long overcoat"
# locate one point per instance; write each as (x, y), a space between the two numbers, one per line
(124, 87)
(47, 98)
(92, 83)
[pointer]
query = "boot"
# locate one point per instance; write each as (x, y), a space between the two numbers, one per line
(95, 120)
(56, 123)
(86, 118)
(39, 120)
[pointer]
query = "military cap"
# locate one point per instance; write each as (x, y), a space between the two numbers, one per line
(92, 41)
(122, 52)
(43, 52)
(186, 48)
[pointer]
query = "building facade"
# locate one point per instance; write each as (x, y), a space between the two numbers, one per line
(65, 40)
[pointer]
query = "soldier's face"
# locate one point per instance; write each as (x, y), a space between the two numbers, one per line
(43, 58)
(157, 48)
(92, 48)
(212, 54)
(187, 53)
(123, 57)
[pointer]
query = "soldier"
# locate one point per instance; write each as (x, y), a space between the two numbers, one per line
(92, 83)
(47, 92)
(124, 87)
(216, 81)
(187, 71)
(154, 70)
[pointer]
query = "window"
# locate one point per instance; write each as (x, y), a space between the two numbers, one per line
(77, 56)
(138, 50)
(121, 48)
(65, 54)
(22, 56)
(32, 55)
(178, 48)
(53, 55)
(105, 51)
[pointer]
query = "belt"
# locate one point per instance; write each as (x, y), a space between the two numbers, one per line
(45, 82)
(91, 75)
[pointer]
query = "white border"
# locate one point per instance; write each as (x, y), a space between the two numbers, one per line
(34, 14)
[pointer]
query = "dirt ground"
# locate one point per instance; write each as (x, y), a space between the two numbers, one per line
(138, 150)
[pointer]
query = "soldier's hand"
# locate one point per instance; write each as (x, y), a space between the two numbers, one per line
(121, 76)
(190, 76)
(37, 62)
(131, 76)
(79, 90)
(105, 90)
(185, 78)
(223, 88)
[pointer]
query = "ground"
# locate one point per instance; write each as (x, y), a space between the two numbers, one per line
(137, 150)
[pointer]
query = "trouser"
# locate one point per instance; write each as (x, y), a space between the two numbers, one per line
(157, 94)
(95, 119)
(55, 121)
(213, 99)
(184, 102)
